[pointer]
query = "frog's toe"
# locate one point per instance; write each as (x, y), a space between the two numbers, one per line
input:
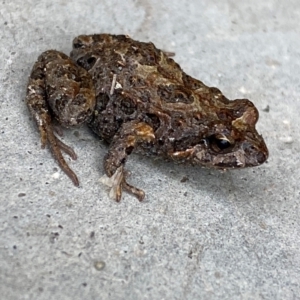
(68, 150)
(140, 194)
(117, 183)
(56, 147)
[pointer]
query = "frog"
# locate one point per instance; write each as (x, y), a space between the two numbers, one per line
(136, 98)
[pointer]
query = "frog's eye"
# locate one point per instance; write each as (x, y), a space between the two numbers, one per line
(219, 142)
(222, 144)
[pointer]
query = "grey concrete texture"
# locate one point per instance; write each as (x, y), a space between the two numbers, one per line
(199, 234)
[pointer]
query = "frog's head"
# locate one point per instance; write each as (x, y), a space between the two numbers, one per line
(232, 141)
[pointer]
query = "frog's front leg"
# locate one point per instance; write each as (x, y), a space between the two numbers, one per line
(58, 88)
(131, 135)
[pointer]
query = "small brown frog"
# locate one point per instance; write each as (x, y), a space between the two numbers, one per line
(135, 97)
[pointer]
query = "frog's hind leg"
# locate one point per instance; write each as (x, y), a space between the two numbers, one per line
(131, 135)
(60, 89)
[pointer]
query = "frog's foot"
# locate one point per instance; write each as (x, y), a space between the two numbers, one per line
(55, 144)
(56, 147)
(117, 183)
(130, 136)
(48, 137)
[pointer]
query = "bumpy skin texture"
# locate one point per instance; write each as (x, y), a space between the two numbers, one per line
(135, 97)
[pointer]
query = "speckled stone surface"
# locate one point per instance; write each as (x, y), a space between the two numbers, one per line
(200, 234)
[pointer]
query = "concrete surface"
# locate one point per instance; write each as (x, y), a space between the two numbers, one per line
(232, 235)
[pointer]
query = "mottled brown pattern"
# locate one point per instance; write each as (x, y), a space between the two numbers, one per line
(136, 97)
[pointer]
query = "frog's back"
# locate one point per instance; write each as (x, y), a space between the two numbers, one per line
(133, 81)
